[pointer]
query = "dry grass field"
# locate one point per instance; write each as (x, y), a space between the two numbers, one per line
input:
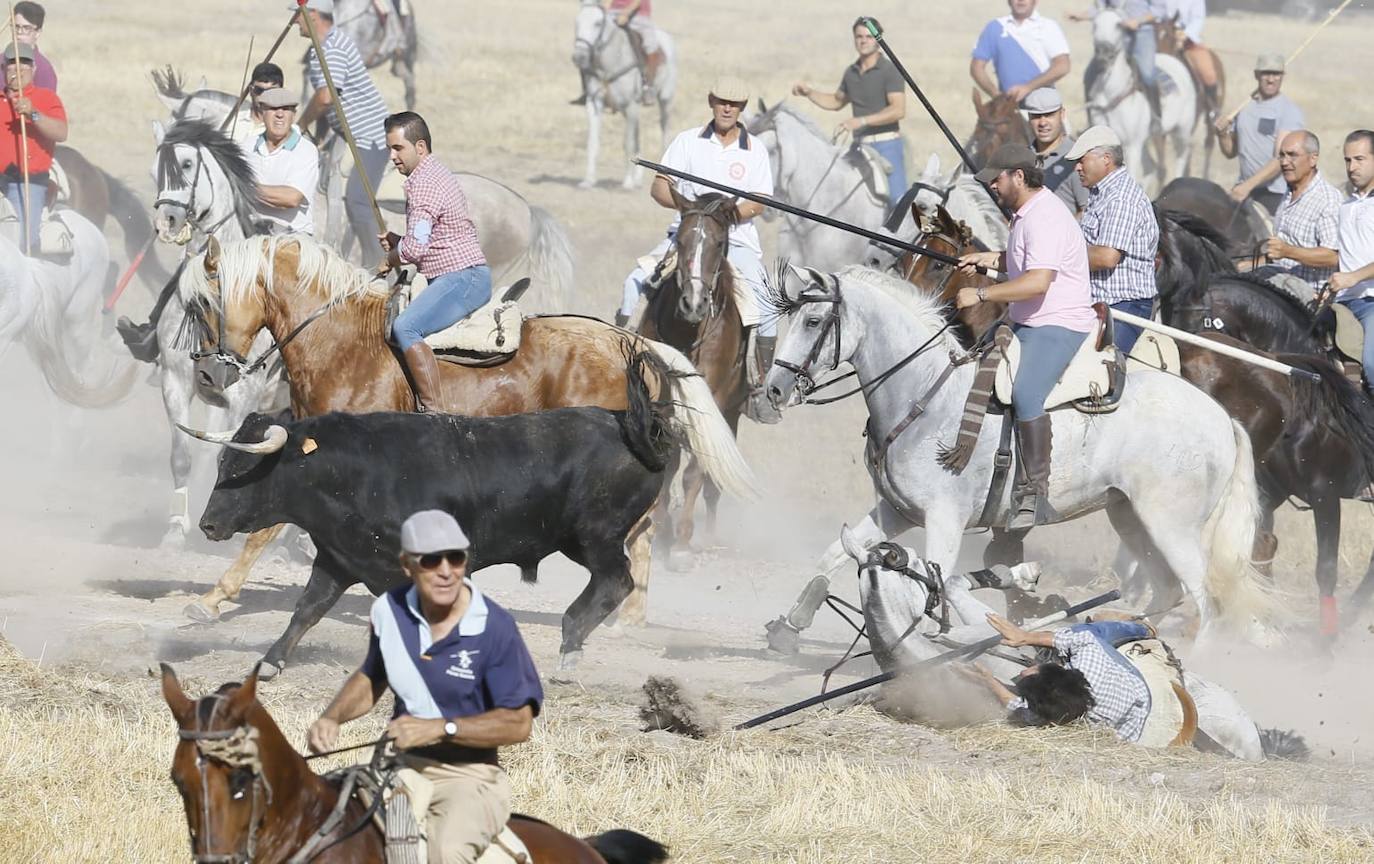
(85, 741)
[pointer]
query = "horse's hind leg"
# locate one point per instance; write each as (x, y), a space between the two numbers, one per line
(205, 608)
(638, 545)
(176, 401)
(1139, 563)
(1326, 512)
(693, 478)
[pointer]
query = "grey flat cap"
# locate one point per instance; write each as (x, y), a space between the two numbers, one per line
(1092, 138)
(1042, 100)
(278, 97)
(1269, 63)
(431, 531)
(25, 52)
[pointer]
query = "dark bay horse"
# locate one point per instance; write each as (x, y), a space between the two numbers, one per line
(694, 311)
(1244, 225)
(999, 122)
(328, 317)
(250, 797)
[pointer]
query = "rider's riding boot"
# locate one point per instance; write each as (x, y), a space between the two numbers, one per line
(784, 632)
(424, 375)
(760, 409)
(621, 319)
(651, 64)
(1156, 114)
(582, 99)
(1030, 499)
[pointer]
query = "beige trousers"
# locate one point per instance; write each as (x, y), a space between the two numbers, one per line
(470, 805)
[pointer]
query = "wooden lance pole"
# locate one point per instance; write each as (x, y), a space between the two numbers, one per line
(243, 94)
(24, 139)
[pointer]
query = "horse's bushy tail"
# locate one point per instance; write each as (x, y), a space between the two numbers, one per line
(645, 423)
(1284, 744)
(628, 847)
(551, 263)
(1235, 589)
(708, 436)
(1337, 398)
(49, 349)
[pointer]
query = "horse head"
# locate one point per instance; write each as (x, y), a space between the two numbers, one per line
(1108, 37)
(814, 304)
(225, 309)
(999, 122)
(203, 181)
(225, 744)
(703, 241)
(590, 31)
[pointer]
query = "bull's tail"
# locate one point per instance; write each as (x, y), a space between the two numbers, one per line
(708, 436)
(645, 424)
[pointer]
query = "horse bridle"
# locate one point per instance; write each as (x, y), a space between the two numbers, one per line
(236, 748)
(594, 47)
(698, 233)
(806, 385)
(165, 181)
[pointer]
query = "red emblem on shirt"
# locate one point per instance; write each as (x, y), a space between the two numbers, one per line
(736, 171)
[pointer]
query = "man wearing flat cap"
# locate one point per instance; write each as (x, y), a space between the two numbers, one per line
(1255, 134)
(464, 685)
(287, 166)
(1045, 110)
(35, 117)
(1049, 301)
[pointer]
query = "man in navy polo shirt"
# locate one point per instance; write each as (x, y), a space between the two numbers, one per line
(464, 685)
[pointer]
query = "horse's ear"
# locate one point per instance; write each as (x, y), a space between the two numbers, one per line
(679, 202)
(176, 698)
(853, 547)
(932, 167)
(242, 699)
(204, 83)
(159, 132)
(212, 255)
(763, 109)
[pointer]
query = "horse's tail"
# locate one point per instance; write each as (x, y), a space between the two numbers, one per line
(708, 436)
(644, 423)
(1235, 588)
(1336, 397)
(551, 262)
(1284, 744)
(627, 847)
(49, 349)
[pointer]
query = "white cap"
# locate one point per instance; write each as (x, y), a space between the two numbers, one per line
(1092, 138)
(729, 88)
(1042, 100)
(431, 531)
(324, 6)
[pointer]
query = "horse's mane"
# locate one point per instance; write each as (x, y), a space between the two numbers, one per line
(927, 308)
(1260, 285)
(226, 153)
(1197, 225)
(243, 262)
(810, 125)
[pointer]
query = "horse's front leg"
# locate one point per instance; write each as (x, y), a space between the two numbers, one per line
(693, 478)
(206, 607)
(177, 388)
(593, 138)
(1326, 512)
(632, 171)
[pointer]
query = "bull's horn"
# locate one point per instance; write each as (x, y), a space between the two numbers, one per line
(272, 441)
(212, 437)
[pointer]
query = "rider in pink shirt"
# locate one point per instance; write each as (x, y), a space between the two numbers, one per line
(1050, 303)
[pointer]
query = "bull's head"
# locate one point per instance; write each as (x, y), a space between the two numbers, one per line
(245, 468)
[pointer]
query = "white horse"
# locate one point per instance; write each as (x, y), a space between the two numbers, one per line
(379, 39)
(1173, 471)
(54, 307)
(814, 174)
(1116, 100)
(610, 70)
(964, 199)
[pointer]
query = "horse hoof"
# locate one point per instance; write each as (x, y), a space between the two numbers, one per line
(174, 539)
(587, 184)
(679, 560)
(269, 669)
(201, 612)
(783, 638)
(1026, 575)
(568, 660)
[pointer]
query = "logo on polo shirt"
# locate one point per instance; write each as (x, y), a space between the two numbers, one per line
(737, 171)
(463, 669)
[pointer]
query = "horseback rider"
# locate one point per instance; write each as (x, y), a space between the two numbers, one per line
(1254, 135)
(1306, 225)
(633, 16)
(725, 152)
(872, 85)
(441, 241)
(287, 166)
(1189, 16)
(1353, 284)
(1026, 50)
(464, 685)
(1138, 19)
(1050, 305)
(44, 124)
(1121, 230)
(1045, 109)
(28, 26)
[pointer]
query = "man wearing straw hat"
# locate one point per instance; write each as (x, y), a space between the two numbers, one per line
(32, 123)
(362, 107)
(287, 166)
(1255, 133)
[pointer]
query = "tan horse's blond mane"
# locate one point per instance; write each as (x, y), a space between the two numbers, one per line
(320, 271)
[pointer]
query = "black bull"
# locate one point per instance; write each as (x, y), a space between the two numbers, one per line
(574, 480)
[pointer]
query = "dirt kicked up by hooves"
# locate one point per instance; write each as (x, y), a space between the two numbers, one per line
(672, 707)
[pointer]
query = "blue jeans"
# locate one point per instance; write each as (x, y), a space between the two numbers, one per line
(38, 199)
(1363, 307)
(1045, 353)
(1115, 633)
(1143, 48)
(893, 151)
(1125, 335)
(449, 299)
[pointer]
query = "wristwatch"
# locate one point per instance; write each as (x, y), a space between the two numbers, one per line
(34, 115)
(450, 728)
(982, 292)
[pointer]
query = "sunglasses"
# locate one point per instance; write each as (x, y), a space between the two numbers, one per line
(258, 91)
(454, 557)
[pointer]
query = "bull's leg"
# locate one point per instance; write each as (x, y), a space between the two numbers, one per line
(638, 543)
(326, 586)
(206, 607)
(693, 478)
(1326, 512)
(609, 585)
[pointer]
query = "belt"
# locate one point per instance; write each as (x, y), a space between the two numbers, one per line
(881, 136)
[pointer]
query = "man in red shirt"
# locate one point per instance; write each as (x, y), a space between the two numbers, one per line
(45, 122)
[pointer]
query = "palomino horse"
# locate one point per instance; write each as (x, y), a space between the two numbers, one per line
(610, 71)
(250, 797)
(327, 318)
(694, 311)
(1209, 79)
(811, 172)
(1116, 99)
(1199, 517)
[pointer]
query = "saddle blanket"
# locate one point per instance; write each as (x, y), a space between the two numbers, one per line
(492, 329)
(1154, 351)
(745, 302)
(54, 235)
(874, 168)
(1088, 375)
(1172, 720)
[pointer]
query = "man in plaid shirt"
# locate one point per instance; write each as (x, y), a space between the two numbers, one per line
(1095, 681)
(1119, 225)
(1305, 225)
(441, 241)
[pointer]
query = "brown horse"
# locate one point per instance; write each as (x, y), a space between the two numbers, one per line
(327, 318)
(1209, 76)
(999, 122)
(250, 797)
(694, 311)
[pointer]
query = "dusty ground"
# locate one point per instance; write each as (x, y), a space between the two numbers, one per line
(84, 584)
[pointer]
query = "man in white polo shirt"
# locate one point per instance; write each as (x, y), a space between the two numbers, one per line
(1025, 49)
(1354, 283)
(286, 164)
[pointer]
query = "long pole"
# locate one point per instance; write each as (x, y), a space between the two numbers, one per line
(968, 652)
(243, 88)
(24, 141)
(243, 94)
(1227, 350)
(339, 114)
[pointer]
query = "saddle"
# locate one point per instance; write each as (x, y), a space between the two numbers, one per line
(54, 235)
(1154, 351)
(873, 166)
(1348, 340)
(489, 336)
(1093, 381)
(1172, 721)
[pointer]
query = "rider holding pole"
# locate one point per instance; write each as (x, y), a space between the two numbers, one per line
(1049, 301)
(32, 124)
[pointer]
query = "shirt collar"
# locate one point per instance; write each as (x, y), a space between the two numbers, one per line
(1106, 183)
(421, 168)
(1356, 196)
(1025, 209)
(708, 133)
(1010, 20)
(881, 60)
(289, 144)
(474, 620)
